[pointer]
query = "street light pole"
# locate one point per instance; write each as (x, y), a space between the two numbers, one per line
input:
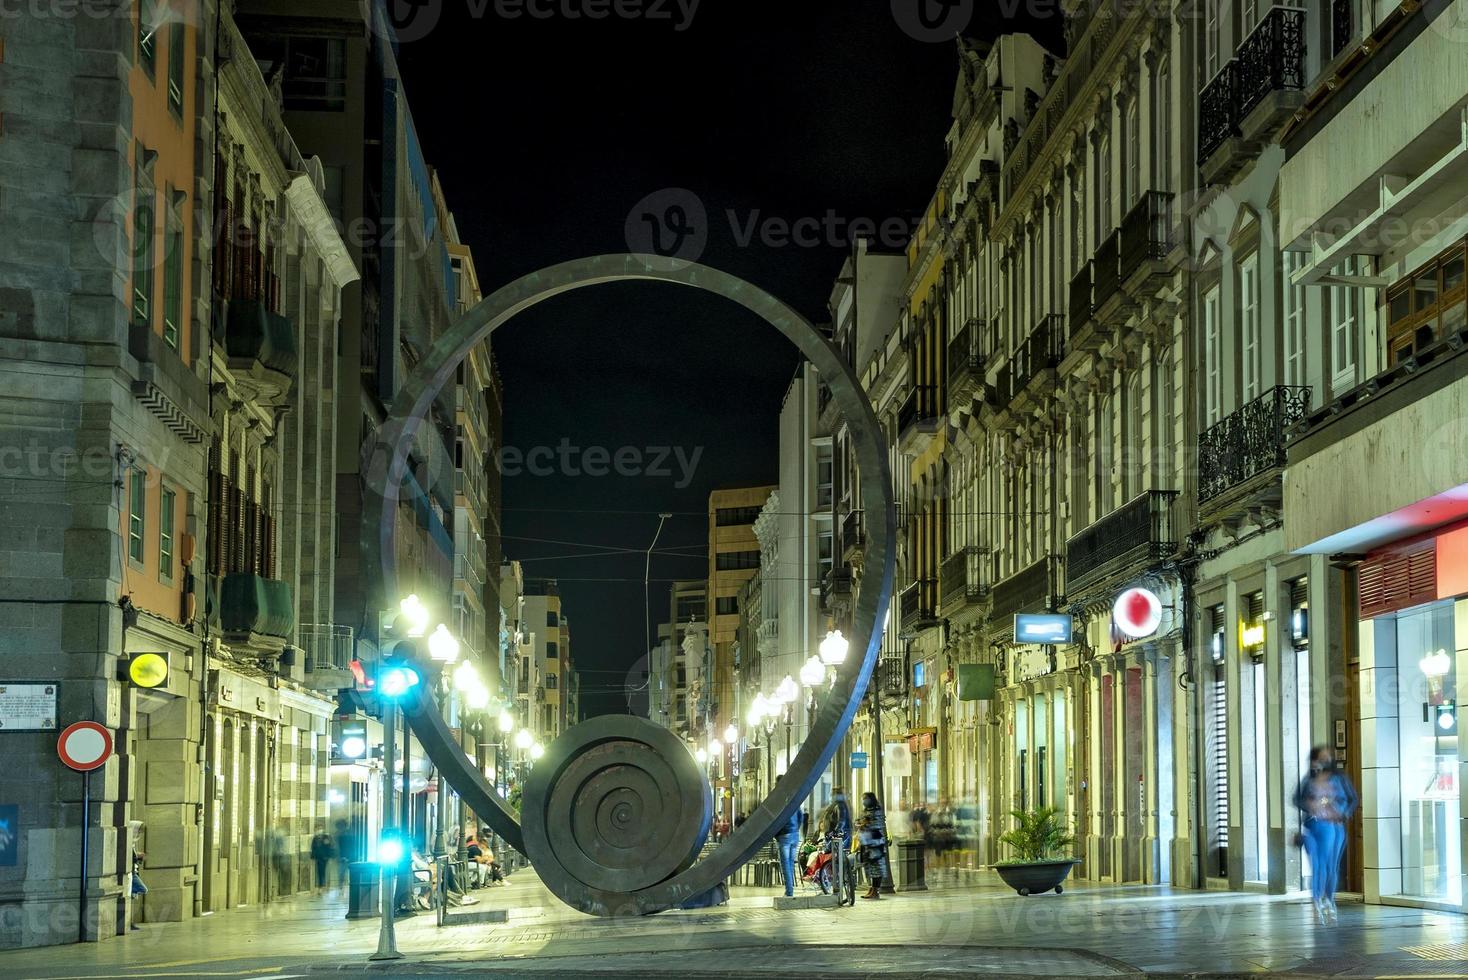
(387, 940)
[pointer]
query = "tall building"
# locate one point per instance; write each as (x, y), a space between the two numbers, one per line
(173, 393)
(733, 556)
(548, 638)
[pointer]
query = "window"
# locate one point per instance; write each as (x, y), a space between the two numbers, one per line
(1427, 306)
(551, 682)
(173, 246)
(1134, 451)
(735, 516)
(137, 502)
(1249, 308)
(1251, 16)
(734, 560)
(552, 651)
(1105, 455)
(142, 245)
(1212, 359)
(727, 605)
(1103, 189)
(1133, 155)
(1212, 40)
(1294, 321)
(165, 535)
(1345, 314)
(1162, 180)
(147, 36)
(315, 74)
(552, 618)
(176, 68)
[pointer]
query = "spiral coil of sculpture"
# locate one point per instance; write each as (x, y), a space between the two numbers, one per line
(616, 812)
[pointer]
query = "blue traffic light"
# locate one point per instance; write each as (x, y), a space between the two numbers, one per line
(394, 682)
(392, 850)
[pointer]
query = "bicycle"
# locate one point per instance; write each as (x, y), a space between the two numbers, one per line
(843, 874)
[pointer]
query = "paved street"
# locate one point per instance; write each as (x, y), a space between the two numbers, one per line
(956, 929)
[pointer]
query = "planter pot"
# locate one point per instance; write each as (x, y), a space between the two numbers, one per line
(1032, 879)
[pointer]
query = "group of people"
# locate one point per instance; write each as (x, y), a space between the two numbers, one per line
(817, 855)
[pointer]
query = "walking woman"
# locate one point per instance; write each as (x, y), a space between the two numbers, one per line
(1326, 801)
(874, 854)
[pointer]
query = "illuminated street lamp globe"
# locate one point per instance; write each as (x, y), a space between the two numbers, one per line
(834, 649)
(477, 698)
(414, 616)
(523, 739)
(787, 692)
(701, 755)
(716, 747)
(507, 722)
(537, 750)
(758, 710)
(442, 646)
(813, 672)
(731, 734)
(466, 678)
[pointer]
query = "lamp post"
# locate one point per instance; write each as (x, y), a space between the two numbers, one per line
(832, 653)
(444, 649)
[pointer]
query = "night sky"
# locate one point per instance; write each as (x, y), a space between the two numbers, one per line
(547, 134)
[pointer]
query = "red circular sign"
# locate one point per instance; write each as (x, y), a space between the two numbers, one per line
(84, 746)
(1137, 613)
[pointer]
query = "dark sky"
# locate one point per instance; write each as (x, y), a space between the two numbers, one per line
(547, 133)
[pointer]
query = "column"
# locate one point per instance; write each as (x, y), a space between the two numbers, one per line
(1381, 818)
(1234, 680)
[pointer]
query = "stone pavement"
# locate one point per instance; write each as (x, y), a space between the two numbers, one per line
(976, 927)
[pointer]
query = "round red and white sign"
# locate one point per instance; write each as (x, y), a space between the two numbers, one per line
(1137, 613)
(84, 746)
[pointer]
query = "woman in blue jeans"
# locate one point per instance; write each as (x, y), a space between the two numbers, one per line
(1326, 799)
(788, 839)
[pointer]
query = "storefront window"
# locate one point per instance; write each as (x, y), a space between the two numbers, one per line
(1429, 753)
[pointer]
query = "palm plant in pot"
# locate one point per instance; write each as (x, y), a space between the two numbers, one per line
(1038, 841)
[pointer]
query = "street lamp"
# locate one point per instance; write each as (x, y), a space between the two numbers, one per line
(507, 722)
(834, 649)
(442, 646)
(414, 616)
(813, 672)
(731, 735)
(537, 750)
(523, 739)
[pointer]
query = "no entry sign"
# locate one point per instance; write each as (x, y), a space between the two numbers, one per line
(84, 746)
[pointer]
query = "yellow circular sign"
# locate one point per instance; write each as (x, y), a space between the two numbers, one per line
(148, 669)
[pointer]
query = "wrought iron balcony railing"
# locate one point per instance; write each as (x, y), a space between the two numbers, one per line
(1135, 534)
(1107, 269)
(1249, 442)
(965, 363)
(917, 409)
(1271, 59)
(853, 536)
(1146, 232)
(915, 607)
(891, 676)
(1081, 304)
(1031, 589)
(837, 582)
(327, 646)
(1041, 351)
(962, 578)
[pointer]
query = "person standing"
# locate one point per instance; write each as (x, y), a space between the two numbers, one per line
(1326, 799)
(788, 839)
(323, 849)
(874, 848)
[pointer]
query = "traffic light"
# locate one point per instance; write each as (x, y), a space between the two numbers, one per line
(393, 850)
(395, 680)
(144, 670)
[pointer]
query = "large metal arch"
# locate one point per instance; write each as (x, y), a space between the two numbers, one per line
(385, 469)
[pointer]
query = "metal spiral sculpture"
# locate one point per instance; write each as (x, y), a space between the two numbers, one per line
(616, 812)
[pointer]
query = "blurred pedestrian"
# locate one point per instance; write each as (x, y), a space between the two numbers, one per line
(875, 846)
(788, 839)
(323, 849)
(1326, 799)
(346, 851)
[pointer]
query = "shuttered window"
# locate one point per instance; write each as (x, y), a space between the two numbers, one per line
(1398, 579)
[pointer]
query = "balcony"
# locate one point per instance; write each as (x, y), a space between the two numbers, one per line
(965, 363)
(1032, 589)
(891, 679)
(962, 580)
(255, 610)
(915, 608)
(1107, 270)
(917, 418)
(1040, 354)
(1146, 238)
(329, 649)
(835, 587)
(1254, 93)
(1250, 443)
(1082, 307)
(1123, 542)
(261, 347)
(853, 536)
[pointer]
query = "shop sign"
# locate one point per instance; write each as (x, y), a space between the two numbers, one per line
(858, 760)
(896, 759)
(1031, 663)
(1137, 613)
(1042, 628)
